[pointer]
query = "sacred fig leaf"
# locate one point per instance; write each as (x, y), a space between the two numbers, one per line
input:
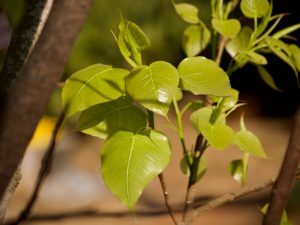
(153, 86)
(218, 135)
(240, 43)
(229, 102)
(113, 116)
(188, 12)
(256, 58)
(236, 169)
(93, 85)
(202, 167)
(255, 8)
(228, 28)
(203, 76)
(129, 161)
(195, 39)
(267, 78)
(295, 55)
(248, 142)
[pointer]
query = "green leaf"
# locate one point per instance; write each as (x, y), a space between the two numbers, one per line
(219, 135)
(153, 86)
(130, 161)
(295, 55)
(240, 43)
(120, 114)
(202, 167)
(265, 21)
(249, 143)
(203, 76)
(255, 8)
(236, 169)
(93, 85)
(267, 78)
(229, 102)
(188, 12)
(286, 31)
(195, 39)
(228, 28)
(256, 58)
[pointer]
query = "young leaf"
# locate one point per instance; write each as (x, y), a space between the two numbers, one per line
(117, 115)
(203, 76)
(267, 78)
(153, 86)
(249, 143)
(286, 31)
(240, 43)
(229, 102)
(255, 8)
(92, 85)
(256, 58)
(195, 39)
(188, 12)
(202, 167)
(228, 28)
(295, 55)
(236, 169)
(130, 161)
(219, 135)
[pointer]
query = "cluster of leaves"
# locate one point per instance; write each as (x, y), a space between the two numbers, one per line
(119, 105)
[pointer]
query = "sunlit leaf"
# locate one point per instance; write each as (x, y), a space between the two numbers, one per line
(256, 58)
(153, 86)
(195, 39)
(219, 135)
(130, 161)
(295, 55)
(203, 76)
(92, 85)
(267, 78)
(228, 28)
(248, 142)
(188, 12)
(255, 8)
(240, 43)
(113, 116)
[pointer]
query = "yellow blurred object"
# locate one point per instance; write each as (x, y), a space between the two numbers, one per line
(42, 134)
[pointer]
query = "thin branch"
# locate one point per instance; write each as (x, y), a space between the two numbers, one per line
(285, 178)
(221, 46)
(166, 197)
(45, 169)
(231, 197)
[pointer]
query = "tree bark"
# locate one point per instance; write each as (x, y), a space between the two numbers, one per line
(27, 99)
(283, 184)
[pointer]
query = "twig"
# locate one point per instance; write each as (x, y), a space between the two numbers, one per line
(226, 199)
(285, 179)
(221, 47)
(166, 197)
(45, 169)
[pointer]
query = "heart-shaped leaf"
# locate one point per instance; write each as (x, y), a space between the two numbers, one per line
(255, 8)
(203, 76)
(153, 86)
(195, 39)
(113, 116)
(92, 85)
(228, 28)
(188, 12)
(130, 161)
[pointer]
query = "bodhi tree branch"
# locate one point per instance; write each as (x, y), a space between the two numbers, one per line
(27, 99)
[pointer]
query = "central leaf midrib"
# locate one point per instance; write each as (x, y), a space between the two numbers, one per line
(156, 94)
(127, 171)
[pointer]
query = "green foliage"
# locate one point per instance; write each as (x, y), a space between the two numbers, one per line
(267, 78)
(156, 85)
(255, 8)
(188, 12)
(202, 167)
(236, 169)
(228, 28)
(129, 161)
(203, 76)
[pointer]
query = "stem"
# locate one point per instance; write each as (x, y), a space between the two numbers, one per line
(161, 177)
(221, 47)
(44, 171)
(180, 130)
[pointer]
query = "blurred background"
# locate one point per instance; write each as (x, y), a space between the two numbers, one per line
(75, 183)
